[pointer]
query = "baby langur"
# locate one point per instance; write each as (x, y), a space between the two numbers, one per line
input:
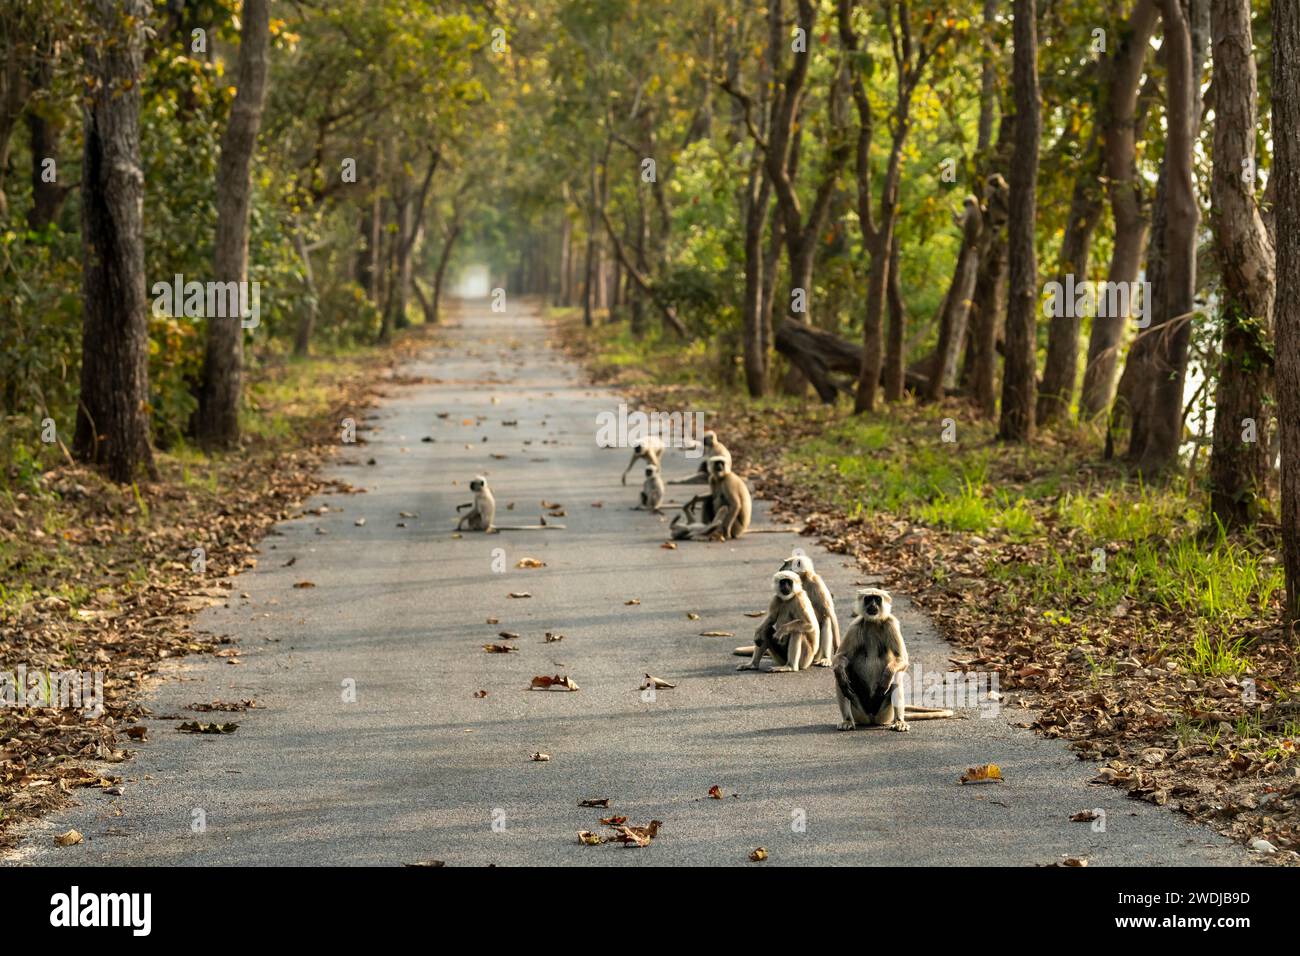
(652, 492)
(823, 605)
(712, 449)
(869, 666)
(481, 510)
(651, 451)
(789, 632)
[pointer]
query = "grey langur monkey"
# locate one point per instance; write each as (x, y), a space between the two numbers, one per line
(869, 665)
(651, 450)
(712, 449)
(732, 504)
(481, 510)
(823, 605)
(790, 631)
(652, 492)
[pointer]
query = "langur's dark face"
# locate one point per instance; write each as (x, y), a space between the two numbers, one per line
(871, 605)
(785, 586)
(649, 472)
(476, 485)
(639, 449)
(709, 440)
(719, 468)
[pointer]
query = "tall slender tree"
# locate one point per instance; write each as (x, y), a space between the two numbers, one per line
(1239, 465)
(223, 360)
(112, 414)
(1286, 170)
(1018, 381)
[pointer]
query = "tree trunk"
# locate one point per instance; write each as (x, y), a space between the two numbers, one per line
(112, 415)
(440, 274)
(566, 259)
(44, 133)
(1286, 172)
(895, 368)
(1128, 206)
(1061, 367)
(1158, 418)
(306, 321)
(752, 345)
(956, 307)
(218, 413)
(1239, 468)
(1018, 378)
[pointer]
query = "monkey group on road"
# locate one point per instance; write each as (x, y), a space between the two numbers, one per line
(801, 628)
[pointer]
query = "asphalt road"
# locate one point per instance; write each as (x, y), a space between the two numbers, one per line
(419, 768)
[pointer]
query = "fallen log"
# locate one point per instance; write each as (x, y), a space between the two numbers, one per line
(832, 364)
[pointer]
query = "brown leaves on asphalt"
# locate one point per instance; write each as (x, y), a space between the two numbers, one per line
(493, 620)
(614, 821)
(985, 773)
(758, 855)
(138, 732)
(669, 545)
(715, 792)
(552, 637)
(692, 616)
(200, 727)
(305, 584)
(540, 757)
(480, 694)
(499, 648)
(519, 594)
(657, 683)
(602, 802)
(71, 838)
(631, 602)
(508, 635)
(247, 703)
(716, 634)
(558, 682)
(1084, 816)
(530, 563)
(636, 836)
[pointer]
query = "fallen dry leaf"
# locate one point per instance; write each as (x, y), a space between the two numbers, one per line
(716, 634)
(305, 584)
(1084, 816)
(715, 792)
(629, 603)
(71, 838)
(759, 855)
(587, 838)
(499, 648)
(540, 757)
(519, 594)
(546, 683)
(656, 682)
(692, 616)
(198, 727)
(530, 563)
(480, 694)
(602, 802)
(985, 773)
(613, 821)
(508, 635)
(669, 545)
(552, 637)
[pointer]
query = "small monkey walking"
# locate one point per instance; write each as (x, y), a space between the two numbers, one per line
(868, 667)
(651, 451)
